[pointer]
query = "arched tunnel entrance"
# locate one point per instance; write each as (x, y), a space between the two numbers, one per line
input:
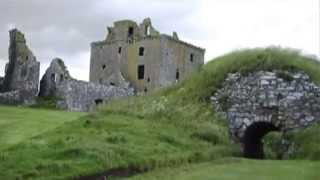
(252, 139)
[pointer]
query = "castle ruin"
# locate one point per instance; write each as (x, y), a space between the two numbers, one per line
(142, 56)
(131, 59)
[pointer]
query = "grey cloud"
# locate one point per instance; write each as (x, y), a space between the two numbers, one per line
(68, 27)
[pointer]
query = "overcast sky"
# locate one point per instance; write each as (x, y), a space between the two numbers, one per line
(65, 28)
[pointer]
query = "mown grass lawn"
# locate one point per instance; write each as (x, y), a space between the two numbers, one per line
(239, 169)
(19, 123)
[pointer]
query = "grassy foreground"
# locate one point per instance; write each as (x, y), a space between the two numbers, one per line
(168, 128)
(235, 169)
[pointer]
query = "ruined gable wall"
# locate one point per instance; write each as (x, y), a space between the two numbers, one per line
(105, 64)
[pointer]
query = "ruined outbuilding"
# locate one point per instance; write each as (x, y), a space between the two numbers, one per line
(20, 84)
(75, 95)
(142, 56)
(261, 102)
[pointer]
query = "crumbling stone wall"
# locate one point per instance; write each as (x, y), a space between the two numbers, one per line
(75, 95)
(288, 101)
(20, 84)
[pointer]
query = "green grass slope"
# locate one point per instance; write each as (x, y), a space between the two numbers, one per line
(168, 128)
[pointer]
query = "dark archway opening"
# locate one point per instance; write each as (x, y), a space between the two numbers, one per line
(98, 101)
(252, 140)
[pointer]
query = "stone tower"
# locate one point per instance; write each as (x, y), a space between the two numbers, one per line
(22, 71)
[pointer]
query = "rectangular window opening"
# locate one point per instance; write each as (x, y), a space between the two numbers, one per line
(141, 72)
(141, 51)
(191, 57)
(130, 31)
(119, 50)
(177, 75)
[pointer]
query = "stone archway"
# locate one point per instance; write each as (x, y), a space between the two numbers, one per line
(261, 102)
(252, 139)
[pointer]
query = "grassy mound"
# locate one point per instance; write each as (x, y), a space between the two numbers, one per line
(167, 128)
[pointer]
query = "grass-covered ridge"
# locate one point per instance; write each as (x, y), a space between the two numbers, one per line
(167, 128)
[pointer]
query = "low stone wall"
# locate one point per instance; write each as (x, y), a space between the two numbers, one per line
(287, 100)
(84, 96)
(17, 97)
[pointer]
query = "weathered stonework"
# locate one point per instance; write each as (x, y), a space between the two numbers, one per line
(287, 100)
(20, 84)
(142, 56)
(76, 95)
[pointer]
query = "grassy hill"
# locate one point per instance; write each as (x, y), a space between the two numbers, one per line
(169, 128)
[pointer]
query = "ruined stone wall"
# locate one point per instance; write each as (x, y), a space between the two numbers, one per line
(287, 100)
(105, 64)
(74, 95)
(180, 58)
(150, 59)
(84, 96)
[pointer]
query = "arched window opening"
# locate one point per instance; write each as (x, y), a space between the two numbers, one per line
(147, 30)
(54, 77)
(130, 31)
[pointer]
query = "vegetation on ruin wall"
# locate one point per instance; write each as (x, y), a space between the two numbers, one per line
(170, 127)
